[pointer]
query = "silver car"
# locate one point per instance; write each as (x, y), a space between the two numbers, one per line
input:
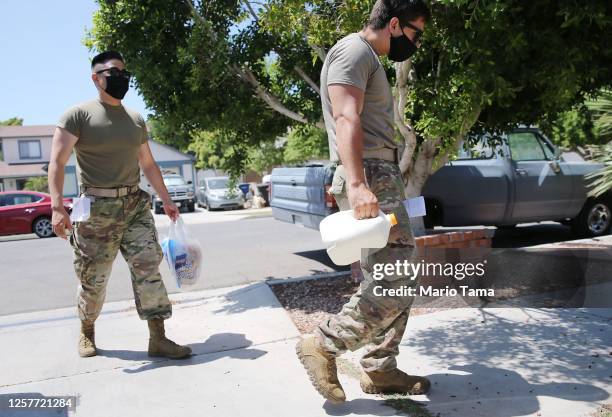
(214, 193)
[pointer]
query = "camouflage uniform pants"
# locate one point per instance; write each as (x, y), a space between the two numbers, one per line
(376, 322)
(125, 224)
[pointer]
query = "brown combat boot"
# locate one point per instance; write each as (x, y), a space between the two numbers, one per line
(393, 382)
(321, 369)
(159, 345)
(87, 342)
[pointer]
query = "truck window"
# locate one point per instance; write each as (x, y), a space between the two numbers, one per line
(549, 152)
(525, 146)
(476, 150)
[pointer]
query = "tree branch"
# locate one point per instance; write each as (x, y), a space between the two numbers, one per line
(297, 68)
(468, 123)
(402, 75)
(438, 71)
(270, 99)
(320, 51)
(251, 10)
(306, 78)
(247, 75)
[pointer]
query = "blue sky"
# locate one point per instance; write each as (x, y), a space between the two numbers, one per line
(45, 67)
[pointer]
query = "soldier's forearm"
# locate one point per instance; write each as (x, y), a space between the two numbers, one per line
(56, 185)
(350, 147)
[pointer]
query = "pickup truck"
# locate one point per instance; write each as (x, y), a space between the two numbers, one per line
(181, 193)
(521, 179)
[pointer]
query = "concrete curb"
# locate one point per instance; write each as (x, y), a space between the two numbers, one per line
(179, 300)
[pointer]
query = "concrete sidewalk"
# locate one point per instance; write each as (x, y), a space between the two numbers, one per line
(491, 362)
(243, 365)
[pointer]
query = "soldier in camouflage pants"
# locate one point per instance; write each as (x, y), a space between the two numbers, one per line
(126, 224)
(111, 147)
(376, 322)
(360, 115)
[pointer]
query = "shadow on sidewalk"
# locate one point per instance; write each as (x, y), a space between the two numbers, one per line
(556, 352)
(481, 390)
(217, 346)
(362, 407)
(501, 392)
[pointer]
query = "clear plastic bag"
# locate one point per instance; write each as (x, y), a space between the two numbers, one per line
(183, 254)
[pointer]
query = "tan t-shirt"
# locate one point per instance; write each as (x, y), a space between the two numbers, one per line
(108, 145)
(352, 61)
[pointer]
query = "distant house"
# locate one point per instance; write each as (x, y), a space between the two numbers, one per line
(27, 150)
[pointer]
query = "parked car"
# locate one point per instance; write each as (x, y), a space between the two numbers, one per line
(522, 179)
(180, 191)
(214, 193)
(24, 212)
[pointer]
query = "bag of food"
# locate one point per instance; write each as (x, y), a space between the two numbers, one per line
(183, 254)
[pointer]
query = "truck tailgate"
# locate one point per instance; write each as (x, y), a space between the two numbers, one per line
(298, 195)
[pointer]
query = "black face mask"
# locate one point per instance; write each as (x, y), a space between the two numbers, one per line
(401, 48)
(117, 86)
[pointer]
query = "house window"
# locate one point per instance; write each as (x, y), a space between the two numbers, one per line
(29, 149)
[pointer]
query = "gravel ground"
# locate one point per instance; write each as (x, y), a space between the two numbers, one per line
(310, 302)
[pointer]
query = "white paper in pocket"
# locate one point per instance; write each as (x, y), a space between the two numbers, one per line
(415, 207)
(81, 208)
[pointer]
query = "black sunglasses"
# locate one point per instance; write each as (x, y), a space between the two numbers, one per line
(116, 72)
(418, 32)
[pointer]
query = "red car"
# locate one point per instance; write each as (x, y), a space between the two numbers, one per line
(24, 212)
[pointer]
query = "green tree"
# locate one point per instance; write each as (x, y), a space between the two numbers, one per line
(306, 142)
(601, 181)
(206, 67)
(266, 156)
(37, 184)
(602, 110)
(244, 70)
(484, 65)
(571, 128)
(13, 121)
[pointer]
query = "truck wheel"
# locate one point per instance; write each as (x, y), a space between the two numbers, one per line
(42, 227)
(191, 207)
(594, 219)
(158, 209)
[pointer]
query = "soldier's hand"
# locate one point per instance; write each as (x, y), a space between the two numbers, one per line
(171, 210)
(60, 221)
(363, 202)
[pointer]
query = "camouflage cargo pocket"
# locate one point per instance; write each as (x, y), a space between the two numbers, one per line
(103, 207)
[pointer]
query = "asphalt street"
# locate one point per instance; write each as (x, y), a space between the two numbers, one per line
(37, 274)
(238, 247)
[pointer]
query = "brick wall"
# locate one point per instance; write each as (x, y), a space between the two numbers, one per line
(457, 240)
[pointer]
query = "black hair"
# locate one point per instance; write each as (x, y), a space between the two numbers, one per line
(405, 10)
(105, 57)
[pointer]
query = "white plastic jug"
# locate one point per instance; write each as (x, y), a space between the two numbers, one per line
(345, 236)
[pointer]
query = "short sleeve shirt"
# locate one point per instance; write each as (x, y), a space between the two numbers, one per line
(352, 61)
(109, 139)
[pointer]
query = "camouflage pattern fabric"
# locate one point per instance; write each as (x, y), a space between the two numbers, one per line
(124, 224)
(376, 322)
